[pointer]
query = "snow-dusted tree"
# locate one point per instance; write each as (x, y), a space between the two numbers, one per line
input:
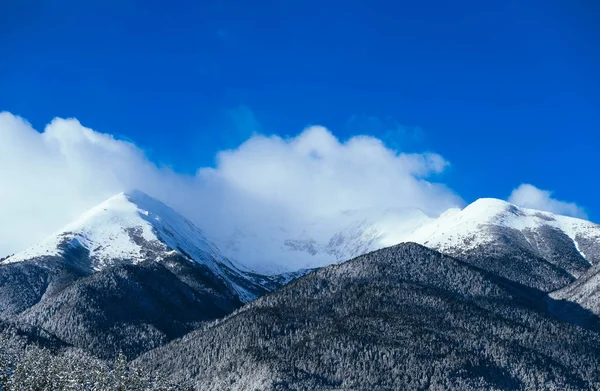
(10, 350)
(32, 368)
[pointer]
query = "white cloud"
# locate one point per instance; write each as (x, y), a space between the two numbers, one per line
(47, 179)
(315, 174)
(529, 196)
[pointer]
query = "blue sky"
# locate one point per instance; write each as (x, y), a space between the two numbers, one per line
(507, 91)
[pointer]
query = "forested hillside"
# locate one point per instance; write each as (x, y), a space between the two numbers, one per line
(404, 317)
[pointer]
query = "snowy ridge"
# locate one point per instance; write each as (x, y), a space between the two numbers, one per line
(340, 237)
(124, 227)
(133, 227)
(466, 229)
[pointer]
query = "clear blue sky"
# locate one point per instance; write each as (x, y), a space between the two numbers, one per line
(507, 91)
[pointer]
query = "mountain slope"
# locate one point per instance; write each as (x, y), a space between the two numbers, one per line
(130, 228)
(129, 308)
(540, 249)
(585, 291)
(129, 275)
(127, 228)
(404, 317)
(536, 248)
(24, 284)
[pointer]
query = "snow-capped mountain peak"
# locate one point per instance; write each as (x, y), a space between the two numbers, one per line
(342, 236)
(128, 227)
(470, 227)
(536, 248)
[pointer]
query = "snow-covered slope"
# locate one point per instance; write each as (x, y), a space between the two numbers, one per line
(133, 227)
(467, 229)
(503, 235)
(128, 227)
(539, 249)
(585, 291)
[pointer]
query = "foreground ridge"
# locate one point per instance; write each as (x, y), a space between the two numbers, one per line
(404, 317)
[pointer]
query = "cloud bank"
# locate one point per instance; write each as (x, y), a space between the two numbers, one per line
(529, 196)
(47, 179)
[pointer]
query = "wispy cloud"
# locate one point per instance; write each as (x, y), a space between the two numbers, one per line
(529, 196)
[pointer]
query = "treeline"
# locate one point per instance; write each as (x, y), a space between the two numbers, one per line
(29, 367)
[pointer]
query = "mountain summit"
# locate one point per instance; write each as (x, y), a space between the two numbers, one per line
(129, 227)
(470, 227)
(538, 249)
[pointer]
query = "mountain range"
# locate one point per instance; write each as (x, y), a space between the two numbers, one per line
(537, 248)
(491, 296)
